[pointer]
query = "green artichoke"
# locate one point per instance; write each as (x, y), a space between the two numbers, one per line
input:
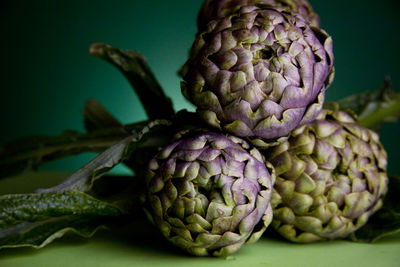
(259, 73)
(331, 176)
(209, 193)
(214, 9)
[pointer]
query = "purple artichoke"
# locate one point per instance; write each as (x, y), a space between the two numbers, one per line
(216, 9)
(209, 193)
(259, 73)
(331, 176)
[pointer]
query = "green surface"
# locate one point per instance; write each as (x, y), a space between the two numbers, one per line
(139, 244)
(47, 74)
(108, 249)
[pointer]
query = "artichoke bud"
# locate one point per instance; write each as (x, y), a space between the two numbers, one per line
(209, 193)
(214, 9)
(331, 177)
(259, 72)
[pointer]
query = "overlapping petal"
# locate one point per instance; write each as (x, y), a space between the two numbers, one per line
(214, 9)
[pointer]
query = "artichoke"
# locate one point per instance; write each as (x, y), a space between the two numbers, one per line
(209, 193)
(330, 177)
(213, 9)
(258, 73)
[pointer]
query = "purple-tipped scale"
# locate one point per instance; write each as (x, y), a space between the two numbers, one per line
(209, 193)
(259, 72)
(214, 9)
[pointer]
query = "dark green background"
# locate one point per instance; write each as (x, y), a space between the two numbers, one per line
(47, 74)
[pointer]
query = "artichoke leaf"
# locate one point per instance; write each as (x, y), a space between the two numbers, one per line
(83, 178)
(31, 152)
(35, 220)
(135, 69)
(96, 116)
(372, 109)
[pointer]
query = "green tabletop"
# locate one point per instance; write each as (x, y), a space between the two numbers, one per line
(140, 244)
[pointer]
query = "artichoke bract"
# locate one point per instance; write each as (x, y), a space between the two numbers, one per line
(330, 177)
(214, 9)
(259, 73)
(209, 193)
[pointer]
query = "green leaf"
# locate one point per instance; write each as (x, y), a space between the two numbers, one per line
(37, 219)
(82, 179)
(96, 116)
(29, 153)
(372, 109)
(384, 222)
(134, 67)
